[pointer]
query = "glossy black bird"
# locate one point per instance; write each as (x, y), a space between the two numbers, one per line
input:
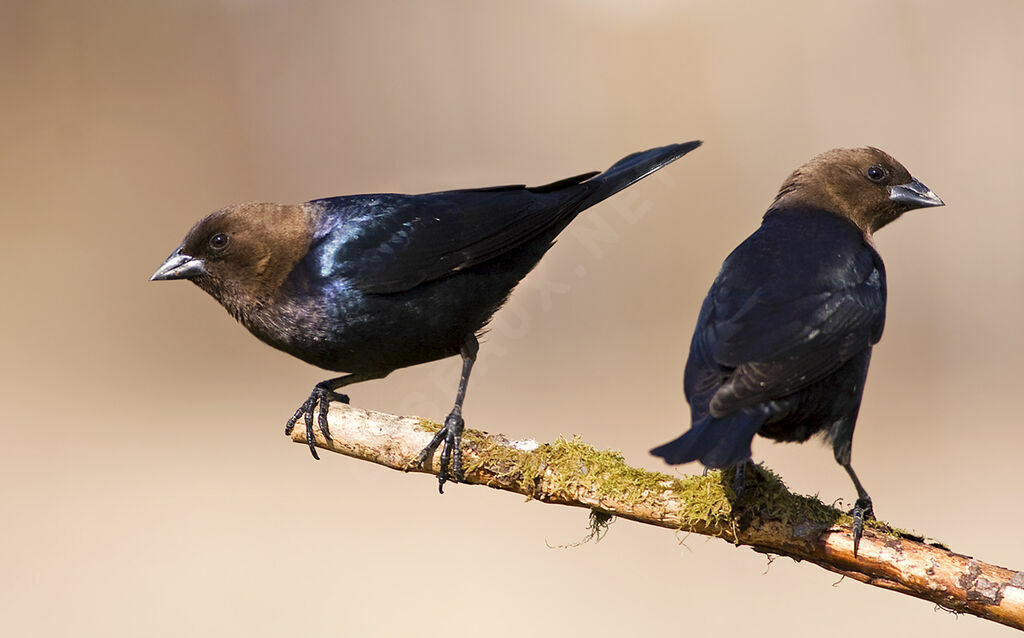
(784, 337)
(367, 284)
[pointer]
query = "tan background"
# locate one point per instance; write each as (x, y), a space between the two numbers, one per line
(145, 483)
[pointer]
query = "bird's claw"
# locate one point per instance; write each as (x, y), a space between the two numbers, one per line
(321, 395)
(862, 511)
(451, 452)
(739, 479)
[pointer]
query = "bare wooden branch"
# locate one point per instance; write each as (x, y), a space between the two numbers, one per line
(768, 518)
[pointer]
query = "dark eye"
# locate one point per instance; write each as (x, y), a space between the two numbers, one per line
(876, 173)
(219, 242)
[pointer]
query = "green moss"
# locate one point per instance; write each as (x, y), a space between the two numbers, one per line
(575, 464)
(427, 425)
(569, 466)
(707, 500)
(766, 494)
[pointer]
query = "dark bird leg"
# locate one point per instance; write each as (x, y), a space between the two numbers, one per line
(323, 393)
(451, 433)
(861, 510)
(739, 479)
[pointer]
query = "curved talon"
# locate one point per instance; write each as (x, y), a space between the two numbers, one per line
(325, 403)
(862, 510)
(308, 417)
(451, 433)
(457, 473)
(451, 451)
(421, 460)
(290, 425)
(322, 394)
(739, 479)
(446, 454)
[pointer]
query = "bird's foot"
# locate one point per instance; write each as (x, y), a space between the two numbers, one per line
(451, 452)
(739, 479)
(322, 394)
(862, 511)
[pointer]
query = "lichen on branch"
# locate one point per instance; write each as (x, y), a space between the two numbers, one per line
(767, 516)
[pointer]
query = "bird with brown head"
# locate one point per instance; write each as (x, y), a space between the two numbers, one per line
(783, 339)
(368, 284)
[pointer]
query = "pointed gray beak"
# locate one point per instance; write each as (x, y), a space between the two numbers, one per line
(179, 266)
(914, 194)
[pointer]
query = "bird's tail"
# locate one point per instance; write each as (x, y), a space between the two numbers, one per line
(633, 168)
(714, 442)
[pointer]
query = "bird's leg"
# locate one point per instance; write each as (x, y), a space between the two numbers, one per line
(323, 393)
(861, 510)
(451, 433)
(739, 478)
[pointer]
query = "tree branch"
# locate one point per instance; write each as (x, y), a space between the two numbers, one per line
(768, 518)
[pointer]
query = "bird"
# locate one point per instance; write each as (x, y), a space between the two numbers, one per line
(367, 284)
(784, 336)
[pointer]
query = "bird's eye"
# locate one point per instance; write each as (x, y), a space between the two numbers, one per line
(219, 242)
(876, 173)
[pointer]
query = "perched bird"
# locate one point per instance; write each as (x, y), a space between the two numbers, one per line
(784, 336)
(367, 284)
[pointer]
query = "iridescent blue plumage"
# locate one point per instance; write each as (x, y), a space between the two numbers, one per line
(392, 280)
(367, 284)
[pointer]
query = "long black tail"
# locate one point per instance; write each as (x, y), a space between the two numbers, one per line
(633, 168)
(714, 442)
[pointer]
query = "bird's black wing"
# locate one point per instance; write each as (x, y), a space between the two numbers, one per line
(785, 313)
(390, 243)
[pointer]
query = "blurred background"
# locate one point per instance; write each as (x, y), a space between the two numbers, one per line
(145, 482)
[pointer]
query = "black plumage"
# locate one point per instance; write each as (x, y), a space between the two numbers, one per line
(367, 284)
(784, 336)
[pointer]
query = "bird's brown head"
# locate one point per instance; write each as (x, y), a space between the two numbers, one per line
(866, 185)
(241, 254)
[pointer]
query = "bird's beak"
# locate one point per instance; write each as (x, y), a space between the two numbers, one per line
(179, 266)
(914, 194)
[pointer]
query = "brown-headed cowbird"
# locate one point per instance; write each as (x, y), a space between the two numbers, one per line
(784, 336)
(367, 284)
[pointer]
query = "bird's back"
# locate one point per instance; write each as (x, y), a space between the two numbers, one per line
(792, 313)
(393, 280)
